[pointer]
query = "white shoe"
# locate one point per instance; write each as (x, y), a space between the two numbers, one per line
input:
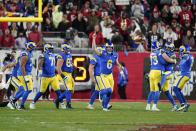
(105, 109)
(154, 108)
(10, 106)
(148, 107)
(90, 107)
(32, 106)
(63, 106)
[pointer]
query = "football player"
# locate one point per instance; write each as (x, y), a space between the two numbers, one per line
(156, 57)
(24, 71)
(46, 67)
(185, 66)
(107, 58)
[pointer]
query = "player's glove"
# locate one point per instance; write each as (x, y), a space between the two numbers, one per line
(26, 79)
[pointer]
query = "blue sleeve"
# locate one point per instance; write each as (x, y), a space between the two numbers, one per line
(93, 61)
(119, 79)
(162, 51)
(41, 56)
(184, 59)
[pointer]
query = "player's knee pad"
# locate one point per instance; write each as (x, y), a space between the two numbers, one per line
(175, 89)
(102, 92)
(109, 91)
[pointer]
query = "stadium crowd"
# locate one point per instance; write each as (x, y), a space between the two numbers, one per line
(133, 26)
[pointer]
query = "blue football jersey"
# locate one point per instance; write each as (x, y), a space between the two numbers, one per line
(48, 67)
(95, 60)
(169, 66)
(67, 65)
(186, 64)
(29, 64)
(15, 70)
(107, 62)
(157, 61)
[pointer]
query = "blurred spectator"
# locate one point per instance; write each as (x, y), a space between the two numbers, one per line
(138, 9)
(66, 9)
(194, 13)
(30, 9)
(15, 6)
(93, 19)
(35, 36)
(57, 16)
(7, 39)
(123, 23)
(169, 36)
(179, 33)
(112, 10)
(14, 29)
(3, 27)
(194, 31)
(73, 14)
(99, 37)
(189, 39)
(79, 23)
(64, 24)
(48, 26)
(138, 41)
(86, 9)
(20, 41)
(187, 27)
(185, 15)
(152, 35)
(156, 17)
(97, 2)
(79, 40)
(145, 26)
(160, 28)
(117, 38)
(2, 8)
(49, 8)
(28, 29)
(106, 28)
(165, 14)
(173, 24)
(175, 8)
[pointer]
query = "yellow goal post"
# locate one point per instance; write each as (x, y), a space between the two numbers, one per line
(25, 19)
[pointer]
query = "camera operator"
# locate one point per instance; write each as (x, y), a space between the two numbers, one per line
(8, 59)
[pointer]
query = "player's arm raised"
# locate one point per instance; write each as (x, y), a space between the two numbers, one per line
(120, 68)
(91, 70)
(168, 59)
(94, 47)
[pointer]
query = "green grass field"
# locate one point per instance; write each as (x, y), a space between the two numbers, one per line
(123, 116)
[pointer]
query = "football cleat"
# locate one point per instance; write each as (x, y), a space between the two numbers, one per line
(109, 106)
(32, 106)
(186, 107)
(181, 108)
(154, 108)
(68, 106)
(175, 108)
(105, 109)
(22, 108)
(63, 106)
(10, 106)
(90, 107)
(148, 107)
(56, 102)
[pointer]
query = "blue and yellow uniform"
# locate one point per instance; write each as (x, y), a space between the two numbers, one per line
(185, 67)
(156, 69)
(48, 76)
(28, 69)
(14, 79)
(168, 71)
(95, 60)
(67, 69)
(107, 65)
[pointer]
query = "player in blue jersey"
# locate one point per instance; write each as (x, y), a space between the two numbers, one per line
(24, 71)
(185, 66)
(14, 81)
(157, 56)
(95, 75)
(65, 69)
(46, 67)
(107, 58)
(168, 74)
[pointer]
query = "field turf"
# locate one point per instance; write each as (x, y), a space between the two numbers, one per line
(123, 116)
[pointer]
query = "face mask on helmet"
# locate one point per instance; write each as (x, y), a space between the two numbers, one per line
(109, 48)
(49, 49)
(169, 47)
(30, 45)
